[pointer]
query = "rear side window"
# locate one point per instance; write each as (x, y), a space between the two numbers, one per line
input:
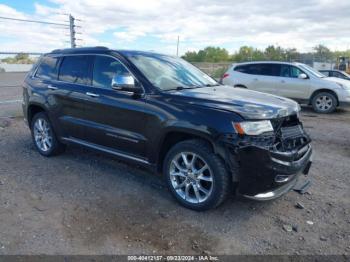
(75, 69)
(259, 69)
(48, 68)
(105, 68)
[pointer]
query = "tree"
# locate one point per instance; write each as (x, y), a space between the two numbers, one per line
(322, 53)
(208, 54)
(274, 53)
(20, 58)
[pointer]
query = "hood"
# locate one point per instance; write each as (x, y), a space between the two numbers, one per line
(343, 82)
(249, 104)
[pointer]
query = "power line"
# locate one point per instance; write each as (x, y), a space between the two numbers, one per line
(33, 21)
(71, 26)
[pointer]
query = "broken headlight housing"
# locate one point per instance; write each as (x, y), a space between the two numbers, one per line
(253, 128)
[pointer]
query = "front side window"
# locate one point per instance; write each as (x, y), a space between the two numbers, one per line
(75, 69)
(47, 68)
(105, 68)
(295, 72)
(168, 72)
(326, 73)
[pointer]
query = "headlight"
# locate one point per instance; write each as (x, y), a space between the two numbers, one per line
(253, 128)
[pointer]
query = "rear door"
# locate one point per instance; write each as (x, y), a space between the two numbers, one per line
(263, 76)
(74, 77)
(42, 83)
(291, 86)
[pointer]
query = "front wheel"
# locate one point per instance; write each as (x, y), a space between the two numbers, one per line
(196, 177)
(324, 102)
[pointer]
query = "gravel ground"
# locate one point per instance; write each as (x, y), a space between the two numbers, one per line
(83, 202)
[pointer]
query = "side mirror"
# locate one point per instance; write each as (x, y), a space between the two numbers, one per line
(125, 83)
(303, 76)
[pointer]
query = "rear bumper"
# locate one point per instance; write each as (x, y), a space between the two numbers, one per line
(266, 175)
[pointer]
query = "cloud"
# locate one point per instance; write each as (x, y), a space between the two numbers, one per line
(199, 23)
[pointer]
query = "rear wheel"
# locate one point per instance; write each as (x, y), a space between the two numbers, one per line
(44, 137)
(196, 177)
(324, 102)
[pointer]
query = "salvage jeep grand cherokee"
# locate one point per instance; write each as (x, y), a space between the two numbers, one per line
(161, 112)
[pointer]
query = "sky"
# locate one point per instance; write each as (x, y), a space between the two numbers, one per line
(156, 24)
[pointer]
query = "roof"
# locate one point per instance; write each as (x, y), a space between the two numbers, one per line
(79, 50)
(100, 49)
(267, 62)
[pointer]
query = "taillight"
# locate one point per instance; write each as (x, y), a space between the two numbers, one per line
(225, 75)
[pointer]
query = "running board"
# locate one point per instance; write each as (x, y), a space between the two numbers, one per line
(104, 149)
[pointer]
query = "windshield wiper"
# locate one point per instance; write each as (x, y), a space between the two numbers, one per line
(211, 85)
(182, 88)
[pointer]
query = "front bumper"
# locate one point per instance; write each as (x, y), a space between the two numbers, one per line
(265, 174)
(343, 98)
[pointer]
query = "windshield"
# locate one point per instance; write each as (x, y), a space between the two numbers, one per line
(346, 74)
(170, 73)
(312, 71)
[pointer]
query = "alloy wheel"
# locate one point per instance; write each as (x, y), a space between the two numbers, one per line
(191, 177)
(324, 103)
(42, 135)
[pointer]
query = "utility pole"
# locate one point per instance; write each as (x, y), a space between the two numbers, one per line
(177, 47)
(72, 31)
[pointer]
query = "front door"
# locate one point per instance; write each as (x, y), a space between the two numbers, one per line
(116, 119)
(291, 85)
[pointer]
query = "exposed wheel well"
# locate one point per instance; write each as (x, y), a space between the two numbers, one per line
(32, 111)
(323, 90)
(170, 140)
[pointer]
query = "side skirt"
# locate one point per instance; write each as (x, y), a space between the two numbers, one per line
(106, 150)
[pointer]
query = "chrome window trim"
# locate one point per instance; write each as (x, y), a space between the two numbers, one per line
(89, 54)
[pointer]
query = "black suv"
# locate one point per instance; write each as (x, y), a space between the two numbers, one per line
(161, 112)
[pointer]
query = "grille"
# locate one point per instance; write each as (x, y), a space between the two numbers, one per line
(290, 134)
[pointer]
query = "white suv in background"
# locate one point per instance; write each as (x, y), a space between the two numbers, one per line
(293, 80)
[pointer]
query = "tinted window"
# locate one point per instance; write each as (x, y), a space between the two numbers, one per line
(105, 68)
(47, 68)
(337, 74)
(242, 69)
(260, 69)
(285, 71)
(326, 73)
(75, 69)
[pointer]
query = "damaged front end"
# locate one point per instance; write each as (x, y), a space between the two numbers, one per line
(269, 164)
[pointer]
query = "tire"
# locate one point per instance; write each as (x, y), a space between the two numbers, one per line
(213, 183)
(44, 137)
(324, 103)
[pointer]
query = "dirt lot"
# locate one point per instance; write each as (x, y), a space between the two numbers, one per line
(83, 202)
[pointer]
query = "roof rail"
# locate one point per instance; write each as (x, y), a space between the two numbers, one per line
(102, 47)
(72, 50)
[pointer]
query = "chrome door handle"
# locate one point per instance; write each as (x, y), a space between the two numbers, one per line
(51, 87)
(255, 79)
(92, 94)
(283, 81)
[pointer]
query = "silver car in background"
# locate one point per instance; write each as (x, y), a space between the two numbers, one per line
(292, 80)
